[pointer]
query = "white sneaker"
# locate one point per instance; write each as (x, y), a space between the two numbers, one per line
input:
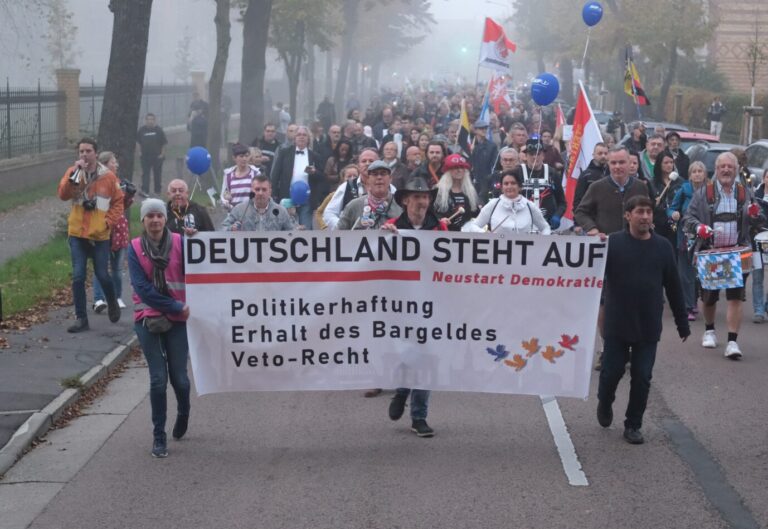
(99, 306)
(732, 351)
(709, 340)
(120, 303)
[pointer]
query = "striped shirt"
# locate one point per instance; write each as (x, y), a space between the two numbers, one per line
(239, 187)
(726, 233)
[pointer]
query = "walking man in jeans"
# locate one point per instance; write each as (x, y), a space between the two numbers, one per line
(97, 204)
(634, 303)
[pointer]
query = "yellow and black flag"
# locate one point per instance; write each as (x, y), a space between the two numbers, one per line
(463, 137)
(632, 85)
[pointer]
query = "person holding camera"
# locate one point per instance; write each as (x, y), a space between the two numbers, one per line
(119, 240)
(97, 205)
(160, 315)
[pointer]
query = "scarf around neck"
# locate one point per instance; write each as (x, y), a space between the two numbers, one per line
(159, 254)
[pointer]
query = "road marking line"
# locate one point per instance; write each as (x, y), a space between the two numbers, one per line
(18, 412)
(565, 448)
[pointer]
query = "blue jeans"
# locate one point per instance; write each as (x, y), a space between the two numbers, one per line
(643, 358)
(116, 260)
(759, 300)
(419, 401)
(305, 215)
(166, 356)
(81, 249)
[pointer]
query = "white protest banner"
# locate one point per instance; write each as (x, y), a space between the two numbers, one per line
(311, 310)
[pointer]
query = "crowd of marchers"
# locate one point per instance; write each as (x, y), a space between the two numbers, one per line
(406, 162)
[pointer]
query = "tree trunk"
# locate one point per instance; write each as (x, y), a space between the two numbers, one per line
(216, 83)
(328, 73)
(540, 62)
(354, 75)
(125, 77)
(254, 65)
(309, 81)
(668, 80)
(347, 41)
(292, 61)
(566, 80)
(375, 75)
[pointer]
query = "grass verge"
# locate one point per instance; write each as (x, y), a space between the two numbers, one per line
(9, 201)
(35, 275)
(32, 277)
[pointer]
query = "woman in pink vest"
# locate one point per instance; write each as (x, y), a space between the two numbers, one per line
(156, 265)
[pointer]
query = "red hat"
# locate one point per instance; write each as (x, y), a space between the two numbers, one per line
(455, 161)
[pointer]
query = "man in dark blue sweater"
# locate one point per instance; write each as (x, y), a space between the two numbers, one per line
(639, 268)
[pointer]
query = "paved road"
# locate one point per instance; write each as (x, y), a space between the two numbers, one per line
(333, 459)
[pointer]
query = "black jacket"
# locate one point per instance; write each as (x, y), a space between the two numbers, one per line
(431, 222)
(634, 302)
(591, 174)
(483, 158)
(282, 173)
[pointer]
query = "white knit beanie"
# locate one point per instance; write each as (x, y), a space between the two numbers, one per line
(151, 205)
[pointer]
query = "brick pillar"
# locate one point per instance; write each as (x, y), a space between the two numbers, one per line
(199, 85)
(68, 118)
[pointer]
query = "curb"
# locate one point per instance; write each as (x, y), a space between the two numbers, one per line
(40, 422)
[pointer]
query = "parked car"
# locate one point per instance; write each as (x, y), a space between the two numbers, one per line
(688, 138)
(757, 159)
(650, 126)
(708, 152)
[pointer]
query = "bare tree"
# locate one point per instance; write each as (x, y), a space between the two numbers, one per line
(256, 18)
(125, 76)
(216, 83)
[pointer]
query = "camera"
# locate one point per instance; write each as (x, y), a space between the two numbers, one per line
(89, 204)
(127, 187)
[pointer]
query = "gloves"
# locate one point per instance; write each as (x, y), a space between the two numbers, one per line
(703, 231)
(554, 222)
(753, 210)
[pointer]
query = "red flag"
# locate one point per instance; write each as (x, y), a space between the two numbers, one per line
(586, 134)
(495, 48)
(498, 92)
(559, 117)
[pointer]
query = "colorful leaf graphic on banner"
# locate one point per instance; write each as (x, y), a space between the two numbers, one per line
(499, 354)
(531, 346)
(550, 353)
(518, 362)
(567, 342)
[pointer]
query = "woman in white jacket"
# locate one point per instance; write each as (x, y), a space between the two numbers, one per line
(510, 213)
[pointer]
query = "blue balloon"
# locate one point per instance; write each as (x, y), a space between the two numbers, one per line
(544, 89)
(198, 160)
(299, 193)
(592, 13)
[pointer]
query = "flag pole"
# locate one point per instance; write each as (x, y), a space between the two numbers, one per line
(632, 83)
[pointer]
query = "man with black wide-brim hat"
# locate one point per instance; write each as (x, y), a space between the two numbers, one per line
(417, 214)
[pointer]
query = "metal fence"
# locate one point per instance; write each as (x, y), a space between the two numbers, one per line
(169, 102)
(31, 120)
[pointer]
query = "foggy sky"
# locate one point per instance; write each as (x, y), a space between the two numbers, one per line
(449, 51)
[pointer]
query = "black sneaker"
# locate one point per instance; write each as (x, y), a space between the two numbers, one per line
(80, 325)
(421, 428)
(633, 436)
(159, 448)
(113, 310)
(604, 414)
(397, 406)
(180, 428)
